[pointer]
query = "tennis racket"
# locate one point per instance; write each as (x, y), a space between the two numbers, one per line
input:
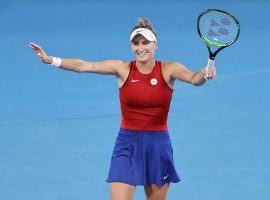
(218, 29)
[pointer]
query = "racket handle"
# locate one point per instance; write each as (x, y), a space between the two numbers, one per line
(210, 65)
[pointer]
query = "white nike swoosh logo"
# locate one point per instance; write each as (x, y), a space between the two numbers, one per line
(165, 177)
(133, 81)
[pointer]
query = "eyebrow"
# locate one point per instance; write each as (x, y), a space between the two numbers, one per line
(142, 40)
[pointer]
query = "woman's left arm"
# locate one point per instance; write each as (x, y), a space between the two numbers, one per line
(180, 72)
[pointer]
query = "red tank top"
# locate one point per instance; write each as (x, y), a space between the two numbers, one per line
(145, 100)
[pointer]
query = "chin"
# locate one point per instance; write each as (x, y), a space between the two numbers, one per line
(142, 59)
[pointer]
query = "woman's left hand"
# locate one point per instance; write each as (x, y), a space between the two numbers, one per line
(210, 75)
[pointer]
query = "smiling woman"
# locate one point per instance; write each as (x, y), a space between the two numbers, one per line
(143, 153)
(143, 41)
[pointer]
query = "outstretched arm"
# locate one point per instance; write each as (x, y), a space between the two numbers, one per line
(180, 72)
(78, 65)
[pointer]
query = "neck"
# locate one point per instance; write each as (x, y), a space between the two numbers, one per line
(145, 66)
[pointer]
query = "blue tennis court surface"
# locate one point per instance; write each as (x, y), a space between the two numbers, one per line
(57, 128)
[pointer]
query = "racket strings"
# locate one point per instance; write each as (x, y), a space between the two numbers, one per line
(219, 29)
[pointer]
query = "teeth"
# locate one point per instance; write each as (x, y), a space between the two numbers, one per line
(143, 54)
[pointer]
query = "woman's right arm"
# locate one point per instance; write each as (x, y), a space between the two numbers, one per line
(112, 67)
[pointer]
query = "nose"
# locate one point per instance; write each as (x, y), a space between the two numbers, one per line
(140, 47)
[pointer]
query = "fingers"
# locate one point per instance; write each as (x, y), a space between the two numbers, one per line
(34, 46)
(212, 73)
(38, 49)
(40, 52)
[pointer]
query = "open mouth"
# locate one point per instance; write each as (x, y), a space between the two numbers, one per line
(142, 53)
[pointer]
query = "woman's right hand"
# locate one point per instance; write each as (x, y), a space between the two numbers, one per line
(41, 53)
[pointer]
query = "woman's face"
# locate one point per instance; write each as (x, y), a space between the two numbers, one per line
(143, 49)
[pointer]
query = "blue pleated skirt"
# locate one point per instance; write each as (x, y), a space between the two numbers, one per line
(142, 158)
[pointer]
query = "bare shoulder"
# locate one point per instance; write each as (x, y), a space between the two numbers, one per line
(115, 62)
(176, 70)
(171, 66)
(167, 69)
(122, 65)
(118, 65)
(122, 68)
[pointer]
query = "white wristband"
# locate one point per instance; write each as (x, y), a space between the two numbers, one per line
(56, 61)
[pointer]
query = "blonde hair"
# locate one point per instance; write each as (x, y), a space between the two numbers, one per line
(144, 23)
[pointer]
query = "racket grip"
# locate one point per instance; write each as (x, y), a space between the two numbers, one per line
(210, 65)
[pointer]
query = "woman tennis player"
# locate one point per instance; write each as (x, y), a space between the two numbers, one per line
(143, 152)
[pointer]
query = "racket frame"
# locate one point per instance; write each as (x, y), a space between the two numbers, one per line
(208, 43)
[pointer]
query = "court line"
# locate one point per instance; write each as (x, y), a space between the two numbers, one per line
(223, 79)
(256, 169)
(59, 119)
(231, 78)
